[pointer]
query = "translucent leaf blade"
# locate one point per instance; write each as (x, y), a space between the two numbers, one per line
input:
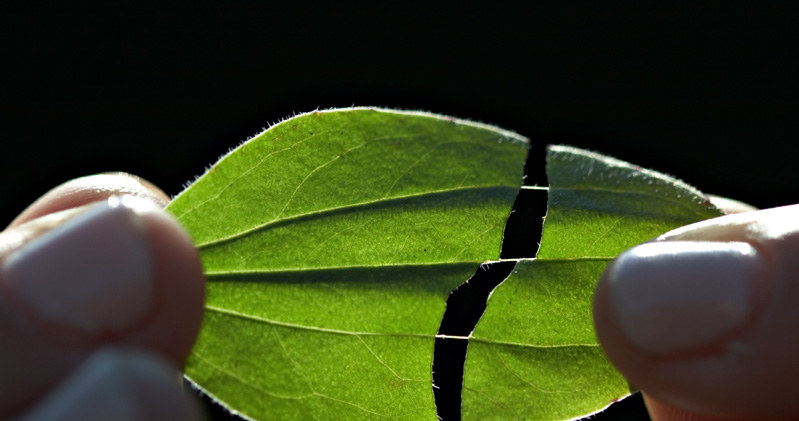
(331, 242)
(534, 354)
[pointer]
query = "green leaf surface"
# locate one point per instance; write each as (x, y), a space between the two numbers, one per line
(534, 354)
(331, 242)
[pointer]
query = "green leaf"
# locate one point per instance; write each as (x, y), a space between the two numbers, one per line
(331, 242)
(534, 354)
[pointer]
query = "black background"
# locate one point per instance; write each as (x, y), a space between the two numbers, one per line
(704, 92)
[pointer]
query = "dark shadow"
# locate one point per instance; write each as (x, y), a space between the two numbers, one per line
(629, 409)
(465, 306)
(467, 303)
(522, 234)
(210, 409)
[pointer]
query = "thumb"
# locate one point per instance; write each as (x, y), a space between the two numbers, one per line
(703, 319)
(117, 272)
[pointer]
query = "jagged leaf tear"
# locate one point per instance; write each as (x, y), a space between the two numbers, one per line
(534, 354)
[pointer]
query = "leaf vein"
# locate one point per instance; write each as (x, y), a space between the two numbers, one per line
(525, 381)
(322, 212)
(297, 326)
(536, 346)
(245, 382)
(244, 173)
(618, 221)
(419, 160)
(312, 172)
(265, 272)
(279, 396)
(382, 362)
(297, 367)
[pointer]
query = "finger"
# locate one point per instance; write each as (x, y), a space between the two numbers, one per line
(730, 206)
(659, 411)
(703, 320)
(117, 384)
(117, 272)
(84, 190)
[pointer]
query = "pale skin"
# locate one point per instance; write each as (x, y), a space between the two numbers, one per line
(58, 368)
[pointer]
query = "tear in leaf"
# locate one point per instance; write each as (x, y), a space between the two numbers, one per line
(534, 354)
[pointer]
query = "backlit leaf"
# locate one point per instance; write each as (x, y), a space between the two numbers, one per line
(330, 243)
(332, 240)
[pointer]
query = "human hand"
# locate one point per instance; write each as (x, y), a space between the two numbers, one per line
(101, 295)
(704, 318)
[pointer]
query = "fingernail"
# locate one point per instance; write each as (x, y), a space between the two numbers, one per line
(93, 272)
(675, 296)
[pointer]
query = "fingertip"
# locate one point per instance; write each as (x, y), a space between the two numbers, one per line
(675, 297)
(730, 206)
(120, 272)
(85, 190)
(659, 411)
(697, 363)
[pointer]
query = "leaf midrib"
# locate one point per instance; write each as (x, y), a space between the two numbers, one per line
(410, 265)
(232, 313)
(260, 319)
